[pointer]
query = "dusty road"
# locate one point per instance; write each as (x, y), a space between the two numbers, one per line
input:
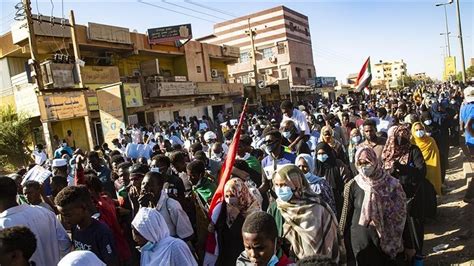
(454, 224)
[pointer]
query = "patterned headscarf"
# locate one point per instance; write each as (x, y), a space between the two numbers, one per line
(247, 202)
(384, 204)
(392, 151)
(294, 178)
(331, 141)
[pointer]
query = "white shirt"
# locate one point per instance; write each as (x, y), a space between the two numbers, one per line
(175, 217)
(52, 240)
(40, 157)
(300, 121)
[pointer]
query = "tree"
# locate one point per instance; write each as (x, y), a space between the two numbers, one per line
(469, 74)
(14, 136)
(406, 81)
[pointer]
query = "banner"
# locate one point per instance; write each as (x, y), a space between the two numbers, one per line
(450, 66)
(133, 94)
(111, 111)
(61, 106)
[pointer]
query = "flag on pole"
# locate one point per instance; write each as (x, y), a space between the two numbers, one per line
(216, 202)
(364, 77)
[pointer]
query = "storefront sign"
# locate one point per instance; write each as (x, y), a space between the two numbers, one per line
(209, 88)
(92, 103)
(111, 112)
(133, 94)
(106, 33)
(56, 107)
(100, 74)
(171, 89)
(170, 34)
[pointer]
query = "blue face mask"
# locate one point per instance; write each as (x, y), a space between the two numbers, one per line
(147, 247)
(322, 157)
(311, 178)
(284, 193)
(286, 134)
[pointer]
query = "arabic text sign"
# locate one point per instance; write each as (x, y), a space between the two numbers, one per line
(111, 112)
(133, 94)
(170, 33)
(55, 107)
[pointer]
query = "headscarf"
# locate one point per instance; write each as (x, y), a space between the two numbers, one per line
(247, 202)
(430, 152)
(310, 226)
(329, 168)
(332, 141)
(353, 146)
(309, 160)
(384, 204)
(80, 258)
(164, 249)
(392, 151)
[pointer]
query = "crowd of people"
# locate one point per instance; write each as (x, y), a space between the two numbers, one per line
(350, 181)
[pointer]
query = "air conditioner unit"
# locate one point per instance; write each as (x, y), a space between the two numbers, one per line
(272, 59)
(214, 73)
(269, 71)
(251, 75)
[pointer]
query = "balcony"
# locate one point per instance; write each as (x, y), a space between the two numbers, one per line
(219, 88)
(156, 88)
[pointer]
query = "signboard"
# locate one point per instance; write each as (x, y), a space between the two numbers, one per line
(19, 29)
(302, 88)
(450, 66)
(233, 88)
(209, 88)
(111, 111)
(157, 89)
(55, 107)
(170, 34)
(321, 82)
(92, 103)
(106, 33)
(100, 74)
(230, 51)
(37, 173)
(133, 94)
(26, 100)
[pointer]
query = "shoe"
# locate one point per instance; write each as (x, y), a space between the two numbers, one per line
(468, 200)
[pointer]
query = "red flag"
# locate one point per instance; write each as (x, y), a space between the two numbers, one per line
(214, 207)
(364, 77)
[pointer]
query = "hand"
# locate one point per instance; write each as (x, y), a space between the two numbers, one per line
(79, 159)
(146, 200)
(133, 193)
(211, 228)
(409, 254)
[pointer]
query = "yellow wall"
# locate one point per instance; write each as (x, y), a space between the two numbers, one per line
(180, 68)
(7, 100)
(177, 65)
(220, 66)
(78, 129)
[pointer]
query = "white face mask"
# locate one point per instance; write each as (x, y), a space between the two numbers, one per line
(420, 133)
(427, 122)
(286, 134)
(356, 139)
(367, 170)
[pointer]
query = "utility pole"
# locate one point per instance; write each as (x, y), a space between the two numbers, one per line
(32, 44)
(463, 63)
(252, 35)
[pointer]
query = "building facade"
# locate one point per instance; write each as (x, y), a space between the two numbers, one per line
(388, 73)
(123, 80)
(283, 51)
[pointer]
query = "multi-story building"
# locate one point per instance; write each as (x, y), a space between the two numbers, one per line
(124, 79)
(388, 73)
(283, 51)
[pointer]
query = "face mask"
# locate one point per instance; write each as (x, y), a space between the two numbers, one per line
(269, 148)
(322, 157)
(286, 134)
(427, 122)
(284, 193)
(218, 155)
(367, 170)
(356, 139)
(155, 169)
(148, 246)
(255, 132)
(233, 201)
(311, 178)
(273, 261)
(419, 133)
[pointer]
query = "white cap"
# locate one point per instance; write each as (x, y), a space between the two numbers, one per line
(469, 94)
(209, 135)
(59, 162)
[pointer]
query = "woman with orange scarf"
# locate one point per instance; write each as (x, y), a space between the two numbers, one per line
(430, 152)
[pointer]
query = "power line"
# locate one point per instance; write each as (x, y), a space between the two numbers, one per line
(190, 9)
(210, 8)
(171, 10)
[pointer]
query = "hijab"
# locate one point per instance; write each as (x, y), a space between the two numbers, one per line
(161, 249)
(329, 168)
(80, 258)
(384, 203)
(310, 226)
(332, 141)
(310, 162)
(247, 203)
(392, 151)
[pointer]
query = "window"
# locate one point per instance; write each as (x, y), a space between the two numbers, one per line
(298, 72)
(310, 74)
(198, 69)
(267, 52)
(281, 48)
(306, 32)
(284, 73)
(244, 57)
(245, 79)
(292, 26)
(395, 68)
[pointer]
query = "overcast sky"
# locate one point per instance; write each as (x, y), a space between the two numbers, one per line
(343, 33)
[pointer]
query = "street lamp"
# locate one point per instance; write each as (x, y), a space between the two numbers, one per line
(446, 42)
(446, 23)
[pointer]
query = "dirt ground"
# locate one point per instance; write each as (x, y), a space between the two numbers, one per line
(454, 224)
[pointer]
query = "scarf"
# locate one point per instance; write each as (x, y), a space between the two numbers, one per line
(309, 226)
(80, 257)
(384, 204)
(329, 168)
(430, 152)
(392, 151)
(310, 162)
(332, 142)
(247, 203)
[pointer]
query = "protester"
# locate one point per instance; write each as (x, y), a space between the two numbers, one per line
(40, 221)
(17, 245)
(150, 232)
(302, 219)
(374, 216)
(81, 257)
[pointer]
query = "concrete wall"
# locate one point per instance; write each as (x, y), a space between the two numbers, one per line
(194, 58)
